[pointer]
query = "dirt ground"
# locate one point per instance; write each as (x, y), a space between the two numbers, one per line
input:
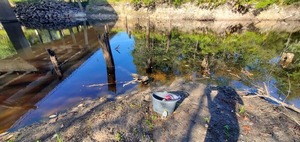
(207, 113)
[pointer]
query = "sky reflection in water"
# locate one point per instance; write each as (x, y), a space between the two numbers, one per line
(76, 87)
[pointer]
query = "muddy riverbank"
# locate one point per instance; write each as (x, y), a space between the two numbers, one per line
(208, 112)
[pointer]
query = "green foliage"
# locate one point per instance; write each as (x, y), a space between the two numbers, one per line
(143, 2)
(213, 3)
(206, 119)
(58, 137)
(250, 49)
(153, 117)
(294, 48)
(6, 47)
(31, 36)
(149, 123)
(23, 1)
(265, 3)
(289, 2)
(179, 2)
(119, 136)
(242, 109)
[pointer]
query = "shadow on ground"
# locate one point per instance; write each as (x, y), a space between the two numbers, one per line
(223, 123)
(207, 114)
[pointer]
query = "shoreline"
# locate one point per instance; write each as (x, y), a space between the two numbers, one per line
(130, 117)
(193, 12)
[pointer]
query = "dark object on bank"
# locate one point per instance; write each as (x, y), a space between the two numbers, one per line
(49, 14)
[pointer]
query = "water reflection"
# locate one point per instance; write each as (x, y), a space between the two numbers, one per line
(237, 54)
(49, 14)
(109, 60)
(27, 78)
(28, 73)
(90, 80)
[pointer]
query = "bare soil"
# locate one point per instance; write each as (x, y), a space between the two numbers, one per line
(207, 113)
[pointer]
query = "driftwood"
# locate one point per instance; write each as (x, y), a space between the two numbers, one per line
(98, 85)
(264, 93)
(140, 78)
(130, 82)
(247, 73)
(137, 78)
(235, 75)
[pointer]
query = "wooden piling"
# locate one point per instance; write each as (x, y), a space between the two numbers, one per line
(110, 65)
(73, 36)
(39, 36)
(111, 79)
(104, 42)
(55, 63)
(86, 40)
(61, 34)
(50, 35)
(12, 27)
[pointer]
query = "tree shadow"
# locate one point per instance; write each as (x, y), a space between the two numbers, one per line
(223, 124)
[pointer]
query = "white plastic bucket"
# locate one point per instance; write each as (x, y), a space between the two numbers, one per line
(161, 105)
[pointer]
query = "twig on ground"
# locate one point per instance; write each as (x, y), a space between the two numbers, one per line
(235, 75)
(266, 89)
(266, 95)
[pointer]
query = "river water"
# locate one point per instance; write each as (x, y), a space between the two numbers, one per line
(242, 54)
